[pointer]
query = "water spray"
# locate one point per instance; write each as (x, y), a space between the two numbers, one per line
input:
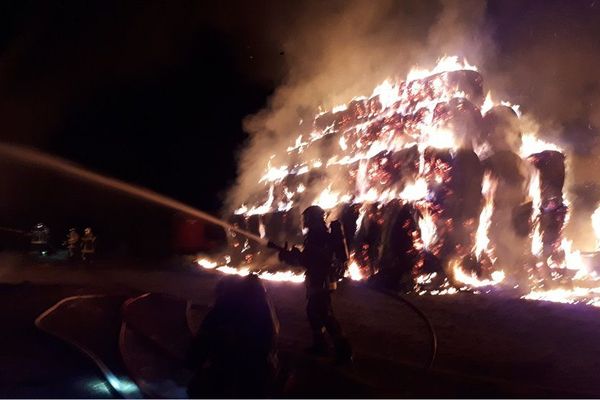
(11, 230)
(30, 156)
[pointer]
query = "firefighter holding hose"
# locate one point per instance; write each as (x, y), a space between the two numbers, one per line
(321, 250)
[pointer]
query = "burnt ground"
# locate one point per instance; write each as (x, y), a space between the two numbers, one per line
(488, 346)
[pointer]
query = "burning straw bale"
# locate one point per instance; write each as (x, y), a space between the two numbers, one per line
(426, 175)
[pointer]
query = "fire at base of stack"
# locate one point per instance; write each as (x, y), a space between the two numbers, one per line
(437, 188)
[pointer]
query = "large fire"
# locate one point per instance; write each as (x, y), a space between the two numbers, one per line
(432, 179)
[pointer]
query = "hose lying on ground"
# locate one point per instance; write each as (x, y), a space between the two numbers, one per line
(398, 296)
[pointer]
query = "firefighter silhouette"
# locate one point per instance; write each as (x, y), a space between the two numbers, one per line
(88, 245)
(39, 239)
(321, 249)
(72, 243)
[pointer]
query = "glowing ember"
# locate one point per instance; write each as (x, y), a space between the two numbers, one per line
(426, 278)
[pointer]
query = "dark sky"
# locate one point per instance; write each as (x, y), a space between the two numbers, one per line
(149, 92)
(154, 92)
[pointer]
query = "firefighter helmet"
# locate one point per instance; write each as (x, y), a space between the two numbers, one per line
(313, 215)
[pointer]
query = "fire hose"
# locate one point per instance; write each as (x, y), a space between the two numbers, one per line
(412, 306)
(396, 296)
(33, 157)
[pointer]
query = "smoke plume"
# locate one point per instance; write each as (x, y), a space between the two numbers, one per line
(543, 55)
(339, 50)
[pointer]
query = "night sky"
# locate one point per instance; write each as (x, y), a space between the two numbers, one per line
(147, 92)
(155, 92)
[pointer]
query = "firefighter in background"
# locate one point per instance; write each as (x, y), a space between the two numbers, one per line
(39, 239)
(318, 257)
(88, 245)
(72, 243)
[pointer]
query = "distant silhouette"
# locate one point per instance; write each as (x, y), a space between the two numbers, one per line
(39, 239)
(233, 353)
(88, 245)
(72, 243)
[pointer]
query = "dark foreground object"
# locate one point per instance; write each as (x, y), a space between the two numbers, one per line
(504, 361)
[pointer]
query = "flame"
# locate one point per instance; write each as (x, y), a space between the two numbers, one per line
(262, 209)
(428, 229)
(415, 191)
(438, 138)
(387, 92)
(226, 269)
(354, 272)
(482, 241)
(278, 276)
(444, 64)
(532, 145)
(426, 279)
(361, 216)
(472, 280)
(365, 135)
(394, 98)
(488, 103)
(206, 263)
(261, 229)
(575, 295)
(282, 276)
(339, 107)
(596, 226)
(329, 199)
(515, 107)
(536, 198)
(573, 258)
(274, 174)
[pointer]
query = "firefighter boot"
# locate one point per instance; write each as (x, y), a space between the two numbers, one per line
(319, 346)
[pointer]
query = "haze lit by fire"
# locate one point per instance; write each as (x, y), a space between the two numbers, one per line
(361, 146)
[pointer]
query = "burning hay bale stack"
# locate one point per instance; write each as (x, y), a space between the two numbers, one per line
(426, 177)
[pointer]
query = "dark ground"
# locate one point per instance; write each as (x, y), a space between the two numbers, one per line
(489, 346)
(35, 364)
